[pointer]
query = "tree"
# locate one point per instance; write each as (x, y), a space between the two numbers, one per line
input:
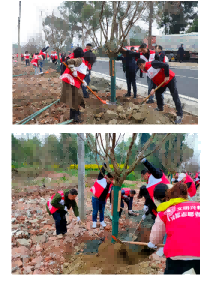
(177, 15)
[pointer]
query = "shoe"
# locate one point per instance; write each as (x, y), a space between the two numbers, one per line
(55, 233)
(135, 96)
(77, 116)
(60, 236)
(103, 223)
(157, 109)
(128, 95)
(94, 224)
(178, 120)
(150, 101)
(41, 72)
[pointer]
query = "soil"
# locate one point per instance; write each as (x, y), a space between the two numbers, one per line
(32, 93)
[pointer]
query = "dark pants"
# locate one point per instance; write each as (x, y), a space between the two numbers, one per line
(141, 74)
(131, 80)
(98, 205)
(172, 86)
(60, 221)
(181, 266)
(27, 62)
(87, 79)
(40, 65)
(150, 85)
(128, 202)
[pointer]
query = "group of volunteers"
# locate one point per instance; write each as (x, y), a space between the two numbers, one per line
(154, 64)
(175, 215)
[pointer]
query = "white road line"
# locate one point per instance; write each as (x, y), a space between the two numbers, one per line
(145, 86)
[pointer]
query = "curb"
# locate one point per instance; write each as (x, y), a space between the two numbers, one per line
(191, 104)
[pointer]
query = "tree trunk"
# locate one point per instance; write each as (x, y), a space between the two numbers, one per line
(81, 176)
(150, 25)
(128, 39)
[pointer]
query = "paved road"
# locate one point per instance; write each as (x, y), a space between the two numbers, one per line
(187, 79)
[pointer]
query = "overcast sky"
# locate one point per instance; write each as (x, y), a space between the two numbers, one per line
(31, 19)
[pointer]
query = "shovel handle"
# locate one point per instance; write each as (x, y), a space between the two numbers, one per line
(155, 91)
(104, 102)
(142, 243)
(139, 224)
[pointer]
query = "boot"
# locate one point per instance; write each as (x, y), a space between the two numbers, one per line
(128, 95)
(71, 113)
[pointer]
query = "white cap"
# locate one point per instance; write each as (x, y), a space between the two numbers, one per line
(181, 176)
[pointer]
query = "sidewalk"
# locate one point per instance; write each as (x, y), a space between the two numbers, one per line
(190, 104)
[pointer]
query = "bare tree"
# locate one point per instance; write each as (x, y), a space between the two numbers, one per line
(103, 148)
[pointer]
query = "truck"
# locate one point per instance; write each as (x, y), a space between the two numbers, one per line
(171, 43)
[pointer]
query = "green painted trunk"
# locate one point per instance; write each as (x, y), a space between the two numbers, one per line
(115, 218)
(113, 79)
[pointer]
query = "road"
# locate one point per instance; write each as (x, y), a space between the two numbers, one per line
(187, 79)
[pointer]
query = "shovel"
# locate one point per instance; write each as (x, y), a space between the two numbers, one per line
(135, 243)
(150, 95)
(103, 101)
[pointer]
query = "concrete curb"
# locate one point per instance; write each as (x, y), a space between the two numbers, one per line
(190, 104)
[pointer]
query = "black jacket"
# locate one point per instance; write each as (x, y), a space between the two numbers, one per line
(158, 64)
(129, 61)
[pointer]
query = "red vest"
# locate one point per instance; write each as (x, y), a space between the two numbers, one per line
(127, 191)
(70, 79)
(157, 75)
(27, 56)
(85, 50)
(71, 56)
(152, 182)
(182, 223)
(35, 59)
(192, 188)
(99, 187)
(50, 207)
(151, 56)
(42, 54)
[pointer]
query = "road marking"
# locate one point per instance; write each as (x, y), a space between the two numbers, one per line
(146, 86)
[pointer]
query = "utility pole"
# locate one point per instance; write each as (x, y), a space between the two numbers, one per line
(81, 176)
(19, 46)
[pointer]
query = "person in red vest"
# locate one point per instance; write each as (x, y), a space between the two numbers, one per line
(26, 57)
(197, 180)
(101, 192)
(58, 206)
(158, 72)
(161, 53)
(43, 54)
(180, 220)
(22, 57)
(185, 178)
(153, 177)
(35, 62)
(54, 57)
(90, 59)
(71, 94)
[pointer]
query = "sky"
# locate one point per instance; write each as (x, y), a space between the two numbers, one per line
(31, 19)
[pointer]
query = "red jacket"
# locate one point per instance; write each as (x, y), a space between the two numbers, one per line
(182, 223)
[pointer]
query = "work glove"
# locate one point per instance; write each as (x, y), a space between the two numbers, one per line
(72, 67)
(66, 209)
(144, 217)
(145, 208)
(75, 73)
(84, 83)
(78, 219)
(151, 246)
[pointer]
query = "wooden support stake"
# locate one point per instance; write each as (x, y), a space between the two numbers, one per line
(112, 202)
(119, 201)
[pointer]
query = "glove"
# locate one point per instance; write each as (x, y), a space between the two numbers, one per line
(143, 160)
(72, 67)
(125, 196)
(75, 73)
(144, 217)
(84, 83)
(151, 246)
(66, 209)
(145, 208)
(78, 219)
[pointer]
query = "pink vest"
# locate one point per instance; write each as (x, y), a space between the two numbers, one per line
(157, 75)
(99, 187)
(127, 191)
(50, 207)
(182, 223)
(192, 188)
(70, 79)
(35, 59)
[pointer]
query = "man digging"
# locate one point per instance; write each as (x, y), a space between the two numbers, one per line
(158, 72)
(58, 206)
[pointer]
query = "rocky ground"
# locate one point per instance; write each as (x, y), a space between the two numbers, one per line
(36, 249)
(32, 93)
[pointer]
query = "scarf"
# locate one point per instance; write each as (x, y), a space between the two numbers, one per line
(165, 205)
